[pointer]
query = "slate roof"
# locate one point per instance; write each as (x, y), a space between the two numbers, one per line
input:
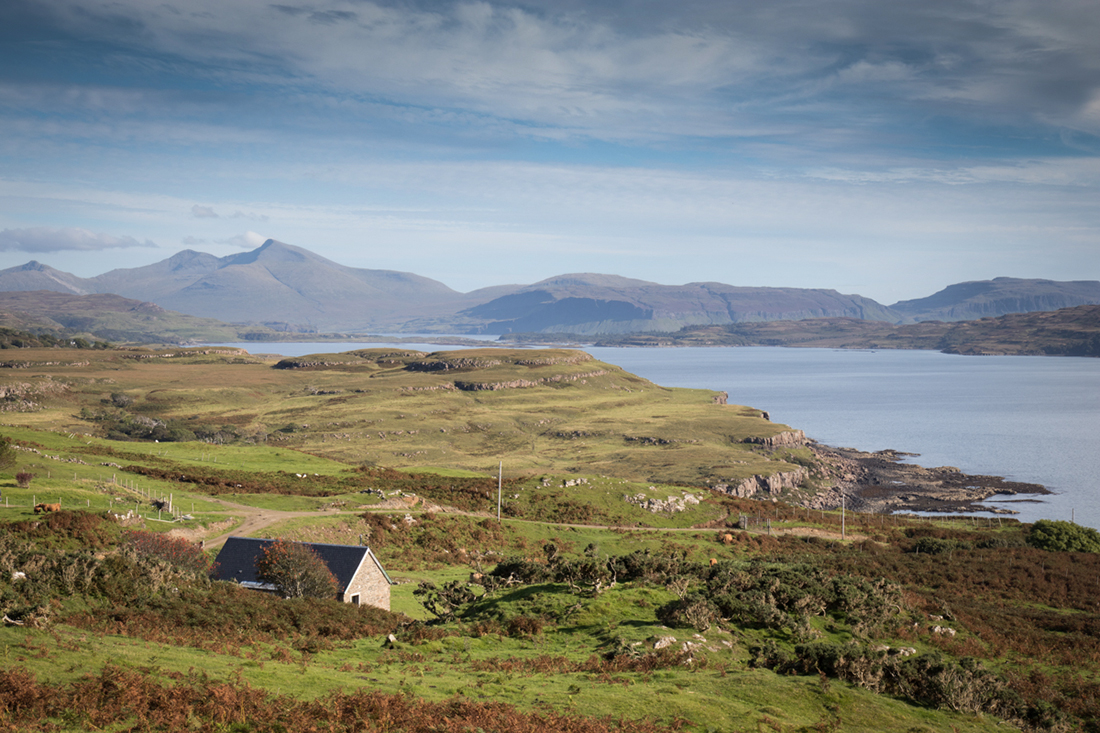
(238, 556)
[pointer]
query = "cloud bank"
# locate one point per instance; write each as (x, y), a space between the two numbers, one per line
(45, 239)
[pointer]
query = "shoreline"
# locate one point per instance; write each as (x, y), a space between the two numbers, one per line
(879, 482)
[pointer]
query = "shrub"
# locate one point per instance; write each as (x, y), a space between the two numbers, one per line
(524, 627)
(1056, 536)
(177, 552)
(296, 571)
(518, 570)
(23, 479)
(443, 603)
(693, 610)
(937, 546)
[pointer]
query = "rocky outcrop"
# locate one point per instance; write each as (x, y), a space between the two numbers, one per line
(653, 440)
(519, 383)
(671, 505)
(298, 363)
(452, 364)
(773, 484)
(786, 439)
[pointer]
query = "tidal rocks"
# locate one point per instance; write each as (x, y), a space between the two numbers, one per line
(879, 482)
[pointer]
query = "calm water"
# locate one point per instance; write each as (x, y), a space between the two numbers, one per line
(1033, 419)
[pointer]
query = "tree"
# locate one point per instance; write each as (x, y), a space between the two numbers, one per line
(8, 456)
(296, 571)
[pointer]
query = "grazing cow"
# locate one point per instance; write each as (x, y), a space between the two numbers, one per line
(713, 562)
(727, 539)
(45, 508)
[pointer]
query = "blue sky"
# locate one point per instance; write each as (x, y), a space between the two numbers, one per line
(880, 148)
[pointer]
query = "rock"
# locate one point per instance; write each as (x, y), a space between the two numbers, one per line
(773, 484)
(785, 439)
(664, 641)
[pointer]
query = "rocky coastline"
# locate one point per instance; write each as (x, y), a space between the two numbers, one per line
(880, 482)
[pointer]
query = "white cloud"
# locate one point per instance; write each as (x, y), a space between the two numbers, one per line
(203, 212)
(46, 239)
(238, 214)
(248, 240)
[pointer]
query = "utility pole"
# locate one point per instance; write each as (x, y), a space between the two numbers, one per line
(842, 524)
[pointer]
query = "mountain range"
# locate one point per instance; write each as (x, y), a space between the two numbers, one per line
(289, 288)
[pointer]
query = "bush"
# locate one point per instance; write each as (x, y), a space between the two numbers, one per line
(519, 570)
(296, 571)
(693, 610)
(177, 552)
(443, 603)
(23, 479)
(937, 546)
(524, 627)
(1063, 537)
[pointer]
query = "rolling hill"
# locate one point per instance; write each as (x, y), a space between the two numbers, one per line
(588, 304)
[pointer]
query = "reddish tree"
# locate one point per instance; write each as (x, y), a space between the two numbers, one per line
(296, 570)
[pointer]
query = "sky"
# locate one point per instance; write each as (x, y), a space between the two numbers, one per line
(882, 148)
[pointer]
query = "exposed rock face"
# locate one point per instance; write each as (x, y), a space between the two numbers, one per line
(786, 439)
(773, 485)
(452, 364)
(671, 505)
(519, 383)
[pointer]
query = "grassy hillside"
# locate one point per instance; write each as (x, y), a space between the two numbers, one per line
(548, 411)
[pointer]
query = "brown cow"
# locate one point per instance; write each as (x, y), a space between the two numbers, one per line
(43, 508)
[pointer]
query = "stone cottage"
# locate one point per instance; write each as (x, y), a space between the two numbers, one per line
(359, 575)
